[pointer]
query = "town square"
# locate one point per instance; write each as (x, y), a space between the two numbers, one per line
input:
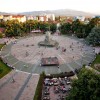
(49, 50)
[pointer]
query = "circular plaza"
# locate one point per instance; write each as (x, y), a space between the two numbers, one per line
(25, 54)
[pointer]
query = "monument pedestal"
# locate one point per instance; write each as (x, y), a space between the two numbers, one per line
(48, 41)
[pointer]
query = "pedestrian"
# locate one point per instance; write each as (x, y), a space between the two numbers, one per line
(13, 80)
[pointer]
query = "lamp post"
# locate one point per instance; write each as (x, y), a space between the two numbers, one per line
(82, 60)
(30, 28)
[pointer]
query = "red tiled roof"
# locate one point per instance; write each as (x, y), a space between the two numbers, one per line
(2, 29)
(17, 16)
(6, 15)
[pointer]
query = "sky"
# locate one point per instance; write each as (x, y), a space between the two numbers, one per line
(92, 6)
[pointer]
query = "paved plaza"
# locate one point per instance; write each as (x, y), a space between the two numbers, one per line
(18, 85)
(25, 54)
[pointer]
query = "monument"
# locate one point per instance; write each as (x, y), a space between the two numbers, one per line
(48, 42)
(57, 28)
(47, 36)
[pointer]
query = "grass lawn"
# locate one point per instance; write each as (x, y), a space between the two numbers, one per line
(4, 69)
(96, 61)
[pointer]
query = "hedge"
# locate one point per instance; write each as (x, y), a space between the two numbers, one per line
(38, 93)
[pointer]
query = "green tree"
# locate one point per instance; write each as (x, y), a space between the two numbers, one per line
(2, 24)
(13, 28)
(94, 36)
(80, 32)
(53, 27)
(44, 26)
(75, 26)
(93, 22)
(29, 25)
(86, 87)
(78, 28)
(65, 28)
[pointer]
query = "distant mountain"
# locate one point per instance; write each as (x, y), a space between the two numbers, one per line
(4, 13)
(60, 12)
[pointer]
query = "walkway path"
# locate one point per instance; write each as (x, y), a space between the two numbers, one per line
(23, 83)
(22, 88)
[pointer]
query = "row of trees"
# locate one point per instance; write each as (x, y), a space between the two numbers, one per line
(79, 28)
(16, 28)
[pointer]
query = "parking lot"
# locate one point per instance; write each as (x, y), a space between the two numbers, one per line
(56, 88)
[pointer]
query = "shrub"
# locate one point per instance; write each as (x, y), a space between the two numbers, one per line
(1, 70)
(67, 74)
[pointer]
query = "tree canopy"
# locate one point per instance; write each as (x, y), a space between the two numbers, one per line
(77, 27)
(65, 28)
(86, 87)
(93, 22)
(94, 36)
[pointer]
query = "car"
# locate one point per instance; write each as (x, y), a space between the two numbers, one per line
(68, 82)
(46, 88)
(56, 84)
(46, 98)
(64, 90)
(62, 98)
(46, 92)
(51, 83)
(65, 78)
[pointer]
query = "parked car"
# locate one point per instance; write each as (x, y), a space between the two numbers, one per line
(56, 84)
(46, 98)
(68, 82)
(46, 93)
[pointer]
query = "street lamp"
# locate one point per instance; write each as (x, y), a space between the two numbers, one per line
(82, 60)
(30, 28)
